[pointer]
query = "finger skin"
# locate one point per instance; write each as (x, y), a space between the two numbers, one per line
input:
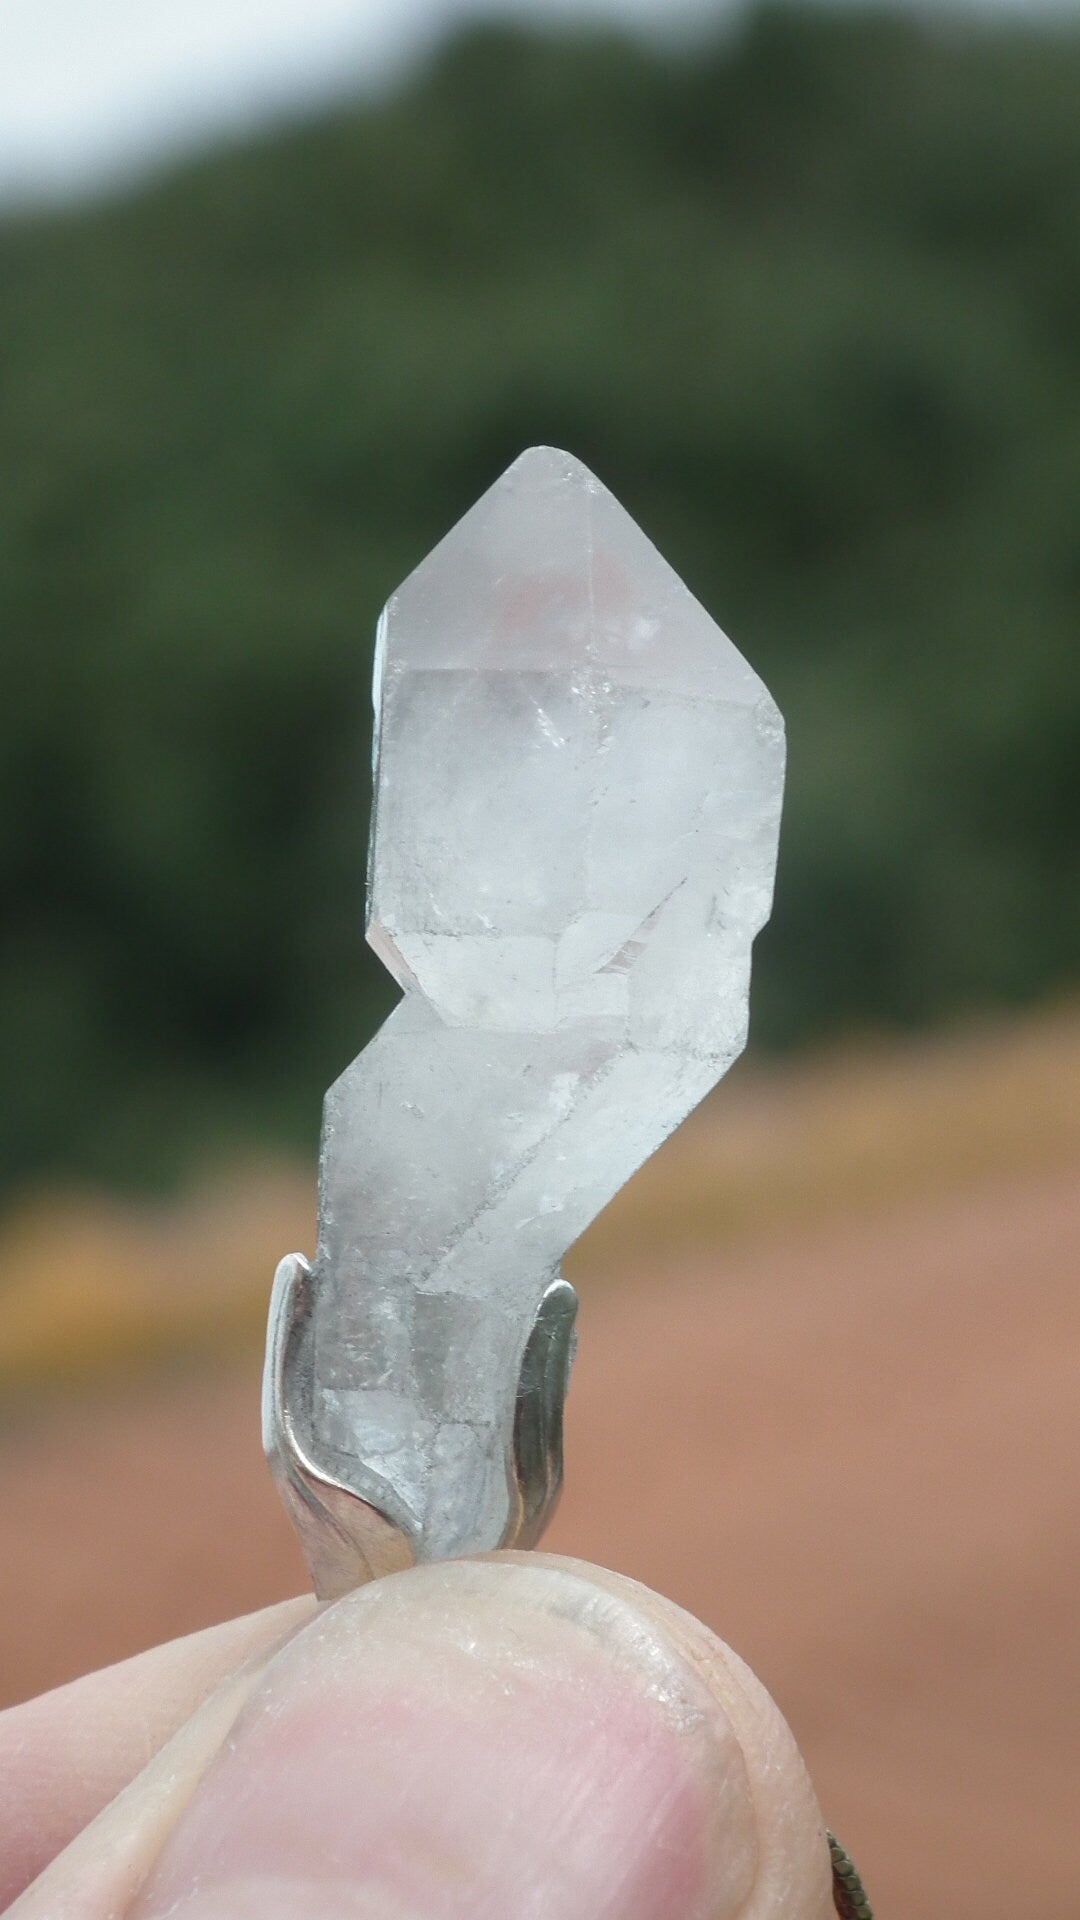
(99, 1875)
(65, 1755)
(469, 1741)
(790, 1826)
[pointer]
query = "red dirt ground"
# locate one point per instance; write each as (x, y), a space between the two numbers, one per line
(852, 1448)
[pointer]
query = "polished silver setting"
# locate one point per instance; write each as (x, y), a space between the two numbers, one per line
(347, 1540)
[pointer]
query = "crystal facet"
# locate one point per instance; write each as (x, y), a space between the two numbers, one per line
(578, 791)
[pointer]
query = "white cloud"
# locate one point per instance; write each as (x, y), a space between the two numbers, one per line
(89, 87)
(93, 89)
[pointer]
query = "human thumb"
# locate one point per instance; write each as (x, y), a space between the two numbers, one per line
(481, 1740)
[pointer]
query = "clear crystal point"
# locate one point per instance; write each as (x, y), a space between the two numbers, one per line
(578, 792)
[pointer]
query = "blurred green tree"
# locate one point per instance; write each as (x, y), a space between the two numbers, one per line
(808, 300)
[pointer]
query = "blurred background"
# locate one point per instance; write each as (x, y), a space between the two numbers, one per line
(282, 289)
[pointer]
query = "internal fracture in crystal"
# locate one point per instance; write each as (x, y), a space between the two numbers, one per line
(578, 784)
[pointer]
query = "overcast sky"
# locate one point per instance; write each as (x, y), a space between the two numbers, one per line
(95, 89)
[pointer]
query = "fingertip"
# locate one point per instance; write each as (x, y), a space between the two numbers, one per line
(444, 1739)
(793, 1875)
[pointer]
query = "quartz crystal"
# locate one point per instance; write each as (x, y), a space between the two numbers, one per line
(578, 784)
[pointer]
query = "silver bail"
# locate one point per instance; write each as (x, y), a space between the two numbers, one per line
(348, 1541)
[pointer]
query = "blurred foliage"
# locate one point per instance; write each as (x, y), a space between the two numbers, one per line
(808, 300)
